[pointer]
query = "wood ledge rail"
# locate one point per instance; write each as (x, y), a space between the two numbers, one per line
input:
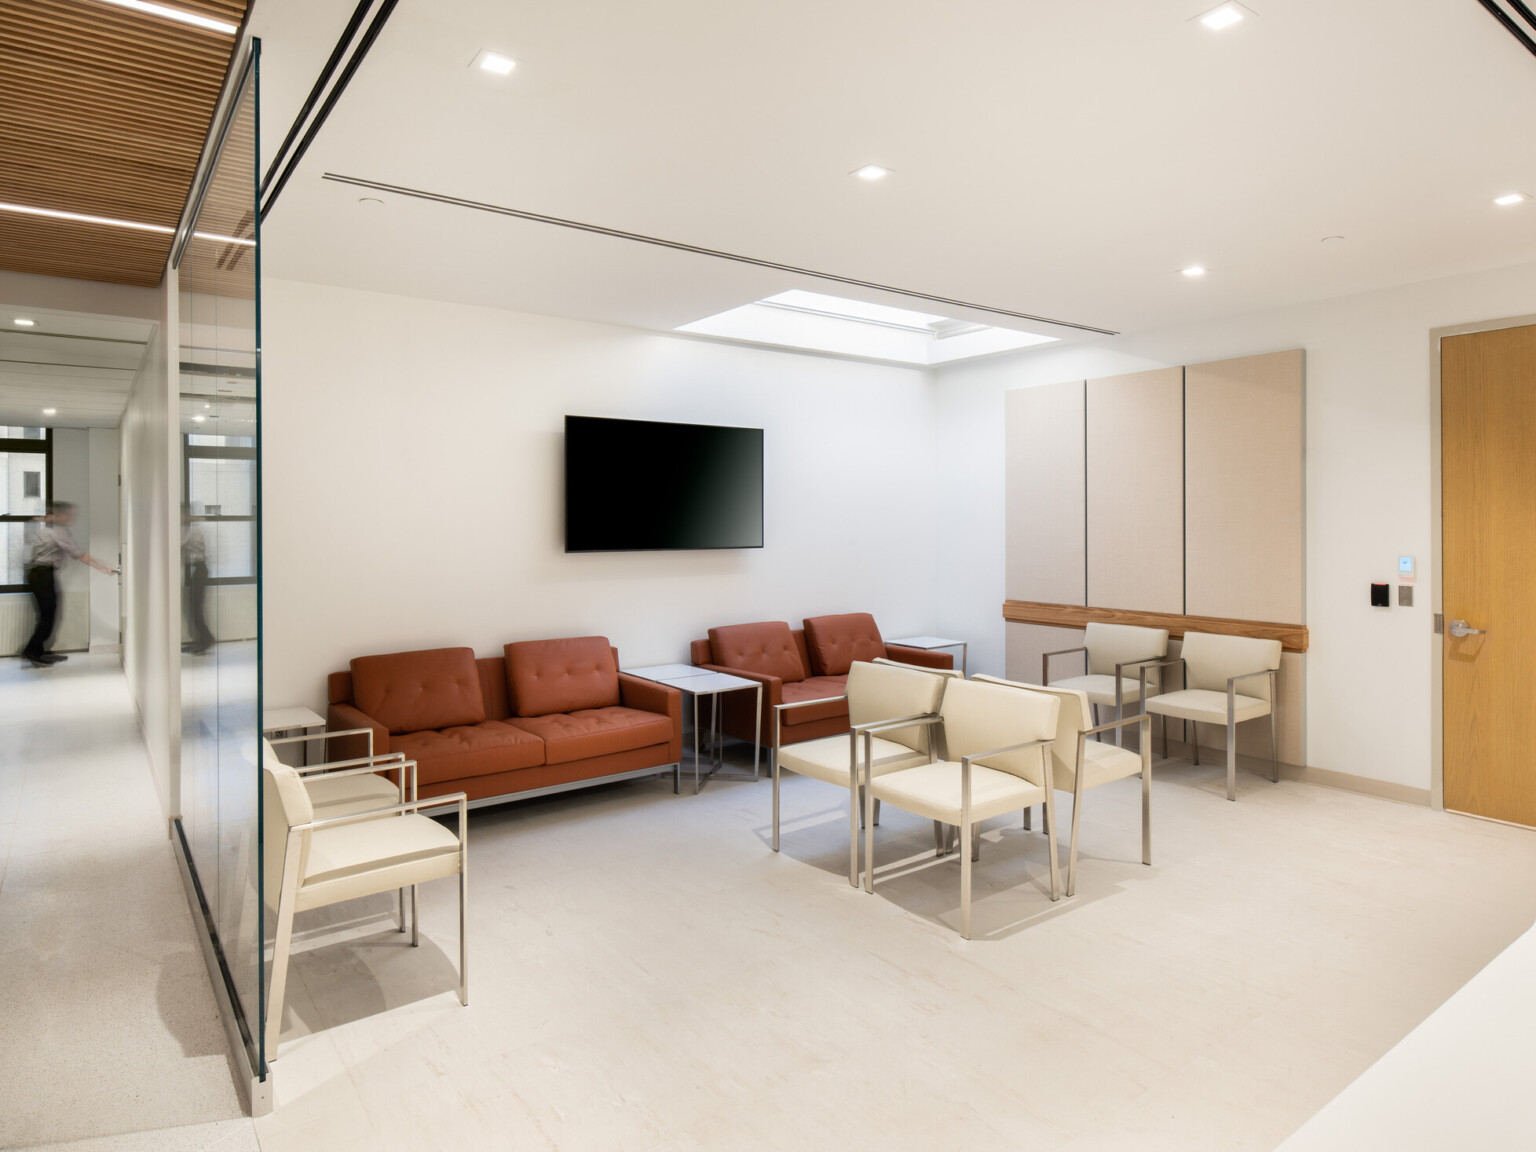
(1292, 637)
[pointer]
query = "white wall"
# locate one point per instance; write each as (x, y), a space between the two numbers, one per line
(413, 488)
(1368, 482)
(151, 538)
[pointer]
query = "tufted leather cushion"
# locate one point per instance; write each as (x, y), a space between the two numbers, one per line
(767, 648)
(416, 691)
(470, 750)
(548, 676)
(831, 689)
(835, 642)
(591, 732)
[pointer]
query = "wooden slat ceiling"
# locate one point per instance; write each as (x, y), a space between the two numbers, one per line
(103, 111)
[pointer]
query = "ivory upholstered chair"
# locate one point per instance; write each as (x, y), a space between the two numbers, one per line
(998, 742)
(1080, 764)
(1114, 655)
(310, 862)
(1214, 668)
(879, 696)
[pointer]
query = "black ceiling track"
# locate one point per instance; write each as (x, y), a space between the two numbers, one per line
(680, 246)
(278, 174)
(1523, 11)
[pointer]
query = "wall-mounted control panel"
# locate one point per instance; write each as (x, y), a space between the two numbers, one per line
(1381, 596)
(1405, 570)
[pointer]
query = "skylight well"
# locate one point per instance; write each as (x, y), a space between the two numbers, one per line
(814, 322)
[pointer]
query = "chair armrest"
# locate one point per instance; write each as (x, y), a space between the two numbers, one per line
(1045, 662)
(1147, 666)
(1113, 724)
(323, 736)
(389, 760)
(1151, 662)
(348, 717)
(1232, 680)
(1009, 748)
(409, 806)
(919, 656)
(806, 703)
(917, 721)
(651, 696)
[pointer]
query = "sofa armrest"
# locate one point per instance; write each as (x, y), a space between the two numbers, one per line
(919, 656)
(352, 747)
(773, 686)
(649, 696)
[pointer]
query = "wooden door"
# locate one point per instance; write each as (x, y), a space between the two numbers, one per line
(1488, 490)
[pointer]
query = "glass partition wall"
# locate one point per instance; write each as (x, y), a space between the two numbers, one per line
(219, 439)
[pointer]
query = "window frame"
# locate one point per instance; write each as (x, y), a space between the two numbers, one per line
(191, 451)
(22, 444)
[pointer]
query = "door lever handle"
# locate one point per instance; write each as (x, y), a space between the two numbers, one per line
(1461, 628)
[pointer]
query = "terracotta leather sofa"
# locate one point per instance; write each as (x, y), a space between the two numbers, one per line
(799, 664)
(548, 714)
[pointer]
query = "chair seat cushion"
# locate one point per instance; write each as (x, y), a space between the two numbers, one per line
(475, 750)
(1206, 706)
(344, 795)
(816, 688)
(1101, 689)
(595, 732)
(933, 790)
(827, 758)
(375, 856)
(1102, 764)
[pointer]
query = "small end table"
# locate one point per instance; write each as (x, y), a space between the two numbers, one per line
(291, 721)
(696, 682)
(929, 643)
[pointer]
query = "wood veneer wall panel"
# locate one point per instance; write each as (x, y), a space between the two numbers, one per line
(1045, 502)
(1243, 493)
(1135, 529)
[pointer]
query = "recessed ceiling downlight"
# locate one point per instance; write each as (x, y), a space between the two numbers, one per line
(23, 322)
(495, 63)
(871, 172)
(50, 411)
(1510, 198)
(1223, 17)
(1193, 271)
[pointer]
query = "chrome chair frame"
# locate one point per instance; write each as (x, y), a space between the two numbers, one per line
(283, 938)
(1045, 682)
(1145, 721)
(1232, 681)
(966, 827)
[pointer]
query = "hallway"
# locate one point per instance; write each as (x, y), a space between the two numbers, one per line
(110, 1024)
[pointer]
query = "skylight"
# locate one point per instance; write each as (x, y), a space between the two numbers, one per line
(814, 322)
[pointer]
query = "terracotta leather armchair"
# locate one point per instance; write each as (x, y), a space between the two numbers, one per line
(545, 716)
(799, 664)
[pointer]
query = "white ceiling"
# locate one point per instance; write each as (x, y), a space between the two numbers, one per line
(82, 365)
(1059, 158)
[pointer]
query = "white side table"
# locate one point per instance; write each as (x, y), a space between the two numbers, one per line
(697, 682)
(929, 643)
(291, 721)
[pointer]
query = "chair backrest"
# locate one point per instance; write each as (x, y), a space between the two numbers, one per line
(285, 804)
(1210, 660)
(1111, 644)
(549, 676)
(767, 648)
(835, 642)
(1073, 718)
(979, 716)
(890, 691)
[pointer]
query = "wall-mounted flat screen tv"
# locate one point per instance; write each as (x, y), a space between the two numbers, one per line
(643, 485)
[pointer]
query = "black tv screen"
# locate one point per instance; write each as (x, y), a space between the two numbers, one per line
(642, 485)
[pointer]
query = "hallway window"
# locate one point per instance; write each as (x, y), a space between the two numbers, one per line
(26, 472)
(218, 479)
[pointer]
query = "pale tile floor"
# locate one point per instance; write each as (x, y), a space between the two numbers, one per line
(646, 974)
(107, 1022)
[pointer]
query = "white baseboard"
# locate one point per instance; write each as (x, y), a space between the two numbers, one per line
(105, 649)
(1323, 777)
